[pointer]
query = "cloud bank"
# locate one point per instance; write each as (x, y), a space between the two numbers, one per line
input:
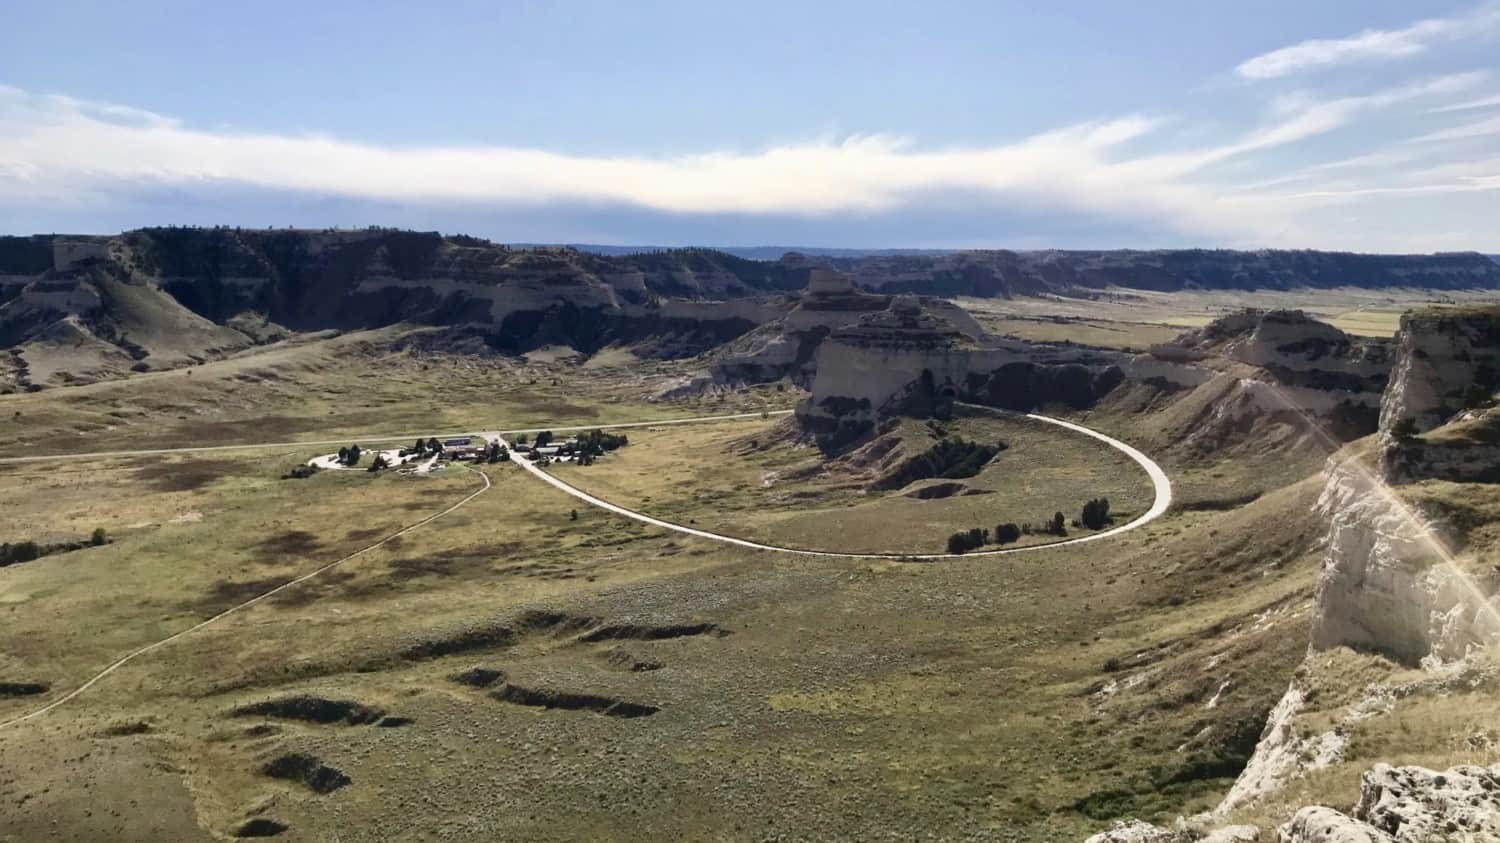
(1148, 172)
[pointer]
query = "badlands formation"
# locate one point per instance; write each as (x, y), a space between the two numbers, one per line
(1300, 649)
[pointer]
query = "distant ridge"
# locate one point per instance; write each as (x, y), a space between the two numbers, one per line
(755, 253)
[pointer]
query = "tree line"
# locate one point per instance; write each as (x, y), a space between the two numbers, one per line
(27, 551)
(1095, 516)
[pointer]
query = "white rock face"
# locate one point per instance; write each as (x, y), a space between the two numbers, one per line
(1415, 803)
(1385, 582)
(1232, 834)
(1317, 824)
(1280, 755)
(1134, 831)
(63, 295)
(1440, 358)
(1409, 805)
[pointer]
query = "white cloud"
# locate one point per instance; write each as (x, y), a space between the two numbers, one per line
(61, 150)
(1370, 44)
(1470, 105)
(1477, 129)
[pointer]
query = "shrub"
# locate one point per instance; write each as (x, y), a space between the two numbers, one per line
(23, 552)
(1007, 533)
(99, 537)
(967, 540)
(1404, 429)
(1096, 514)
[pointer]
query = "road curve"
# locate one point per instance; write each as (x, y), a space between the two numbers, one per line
(1159, 482)
(123, 660)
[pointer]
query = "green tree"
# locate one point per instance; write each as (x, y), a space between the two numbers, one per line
(1095, 513)
(1007, 533)
(1404, 429)
(25, 551)
(1059, 524)
(99, 537)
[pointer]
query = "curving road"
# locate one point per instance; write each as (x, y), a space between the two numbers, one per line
(1162, 486)
(1159, 481)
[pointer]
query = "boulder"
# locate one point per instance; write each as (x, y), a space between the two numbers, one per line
(1317, 824)
(1414, 803)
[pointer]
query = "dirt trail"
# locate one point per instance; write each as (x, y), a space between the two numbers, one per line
(245, 605)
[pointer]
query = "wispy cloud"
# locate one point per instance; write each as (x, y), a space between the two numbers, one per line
(1371, 44)
(56, 149)
(1468, 131)
(1469, 105)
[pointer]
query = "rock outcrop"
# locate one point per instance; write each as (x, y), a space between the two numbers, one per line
(905, 360)
(1409, 805)
(1317, 368)
(787, 346)
(1446, 360)
(1389, 580)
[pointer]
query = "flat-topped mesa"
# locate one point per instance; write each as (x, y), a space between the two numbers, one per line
(1439, 417)
(1287, 364)
(1297, 348)
(911, 360)
(903, 325)
(788, 346)
(827, 282)
(1447, 360)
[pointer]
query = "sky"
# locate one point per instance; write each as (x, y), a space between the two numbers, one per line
(1366, 125)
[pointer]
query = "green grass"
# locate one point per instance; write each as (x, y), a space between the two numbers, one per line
(746, 479)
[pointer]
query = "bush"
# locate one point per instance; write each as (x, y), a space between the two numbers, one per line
(950, 458)
(1096, 514)
(21, 552)
(99, 537)
(596, 442)
(1404, 429)
(966, 541)
(1007, 533)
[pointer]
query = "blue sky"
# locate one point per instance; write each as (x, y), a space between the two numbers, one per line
(1366, 125)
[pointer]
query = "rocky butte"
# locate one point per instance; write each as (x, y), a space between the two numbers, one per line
(1406, 574)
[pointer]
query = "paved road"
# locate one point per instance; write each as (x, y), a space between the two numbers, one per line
(407, 437)
(1159, 481)
(1163, 490)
